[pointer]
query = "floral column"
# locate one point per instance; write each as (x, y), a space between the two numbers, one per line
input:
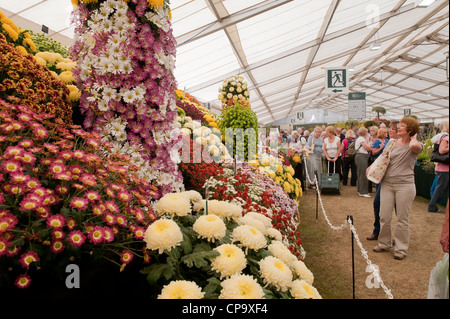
(125, 53)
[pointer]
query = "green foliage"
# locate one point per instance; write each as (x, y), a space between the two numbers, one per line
(46, 44)
(244, 122)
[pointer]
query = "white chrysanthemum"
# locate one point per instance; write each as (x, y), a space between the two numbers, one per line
(303, 272)
(210, 227)
(230, 262)
(264, 219)
(174, 204)
(279, 250)
(274, 271)
(249, 237)
(274, 233)
(181, 289)
(193, 196)
(224, 209)
(241, 287)
(163, 234)
(300, 289)
(249, 220)
(185, 131)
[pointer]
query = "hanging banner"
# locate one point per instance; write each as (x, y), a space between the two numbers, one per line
(357, 105)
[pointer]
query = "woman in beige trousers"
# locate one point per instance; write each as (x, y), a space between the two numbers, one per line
(398, 189)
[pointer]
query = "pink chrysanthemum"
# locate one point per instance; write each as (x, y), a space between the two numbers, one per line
(27, 158)
(4, 244)
(79, 203)
(56, 221)
(112, 207)
(11, 166)
(126, 256)
(92, 196)
(25, 143)
(108, 234)
(13, 151)
(96, 235)
(76, 238)
(57, 246)
(109, 218)
(28, 204)
(27, 258)
(88, 179)
(139, 233)
(23, 281)
(121, 220)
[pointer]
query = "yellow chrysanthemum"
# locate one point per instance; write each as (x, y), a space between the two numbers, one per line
(40, 61)
(249, 237)
(10, 31)
(274, 271)
(173, 204)
(155, 3)
(300, 289)
(210, 227)
(67, 77)
(163, 234)
(74, 94)
(230, 262)
(241, 287)
(303, 272)
(181, 289)
(30, 43)
(21, 49)
(279, 250)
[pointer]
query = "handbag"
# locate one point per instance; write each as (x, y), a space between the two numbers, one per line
(438, 157)
(375, 172)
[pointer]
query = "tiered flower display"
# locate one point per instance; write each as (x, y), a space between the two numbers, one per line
(125, 59)
(213, 251)
(61, 198)
(234, 89)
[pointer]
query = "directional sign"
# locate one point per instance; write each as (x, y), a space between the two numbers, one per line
(357, 105)
(336, 81)
(407, 112)
(300, 115)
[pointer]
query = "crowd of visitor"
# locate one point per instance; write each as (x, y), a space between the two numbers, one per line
(328, 152)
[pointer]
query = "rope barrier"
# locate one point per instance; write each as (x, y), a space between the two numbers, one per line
(375, 272)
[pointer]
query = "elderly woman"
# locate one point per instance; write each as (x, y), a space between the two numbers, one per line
(441, 169)
(398, 189)
(314, 162)
(363, 148)
(349, 161)
(332, 151)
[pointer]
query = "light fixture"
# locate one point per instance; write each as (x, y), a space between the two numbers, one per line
(423, 3)
(376, 45)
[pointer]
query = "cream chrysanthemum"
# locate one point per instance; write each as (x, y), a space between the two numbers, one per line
(251, 221)
(241, 287)
(274, 233)
(300, 289)
(249, 237)
(173, 204)
(181, 289)
(279, 250)
(210, 227)
(264, 219)
(223, 209)
(163, 234)
(274, 271)
(192, 195)
(230, 262)
(303, 272)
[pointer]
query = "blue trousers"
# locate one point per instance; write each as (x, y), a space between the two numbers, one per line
(376, 210)
(439, 191)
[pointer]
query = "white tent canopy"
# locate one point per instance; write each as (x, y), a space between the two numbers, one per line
(282, 48)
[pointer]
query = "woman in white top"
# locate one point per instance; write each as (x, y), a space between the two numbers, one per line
(332, 151)
(363, 148)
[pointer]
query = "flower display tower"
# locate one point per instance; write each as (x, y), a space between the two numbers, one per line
(125, 53)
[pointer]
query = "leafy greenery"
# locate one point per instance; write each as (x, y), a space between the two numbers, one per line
(46, 44)
(235, 118)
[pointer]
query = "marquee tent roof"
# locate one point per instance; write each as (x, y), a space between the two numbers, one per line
(282, 48)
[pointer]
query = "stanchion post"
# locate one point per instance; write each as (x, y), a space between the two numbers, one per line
(317, 195)
(353, 256)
